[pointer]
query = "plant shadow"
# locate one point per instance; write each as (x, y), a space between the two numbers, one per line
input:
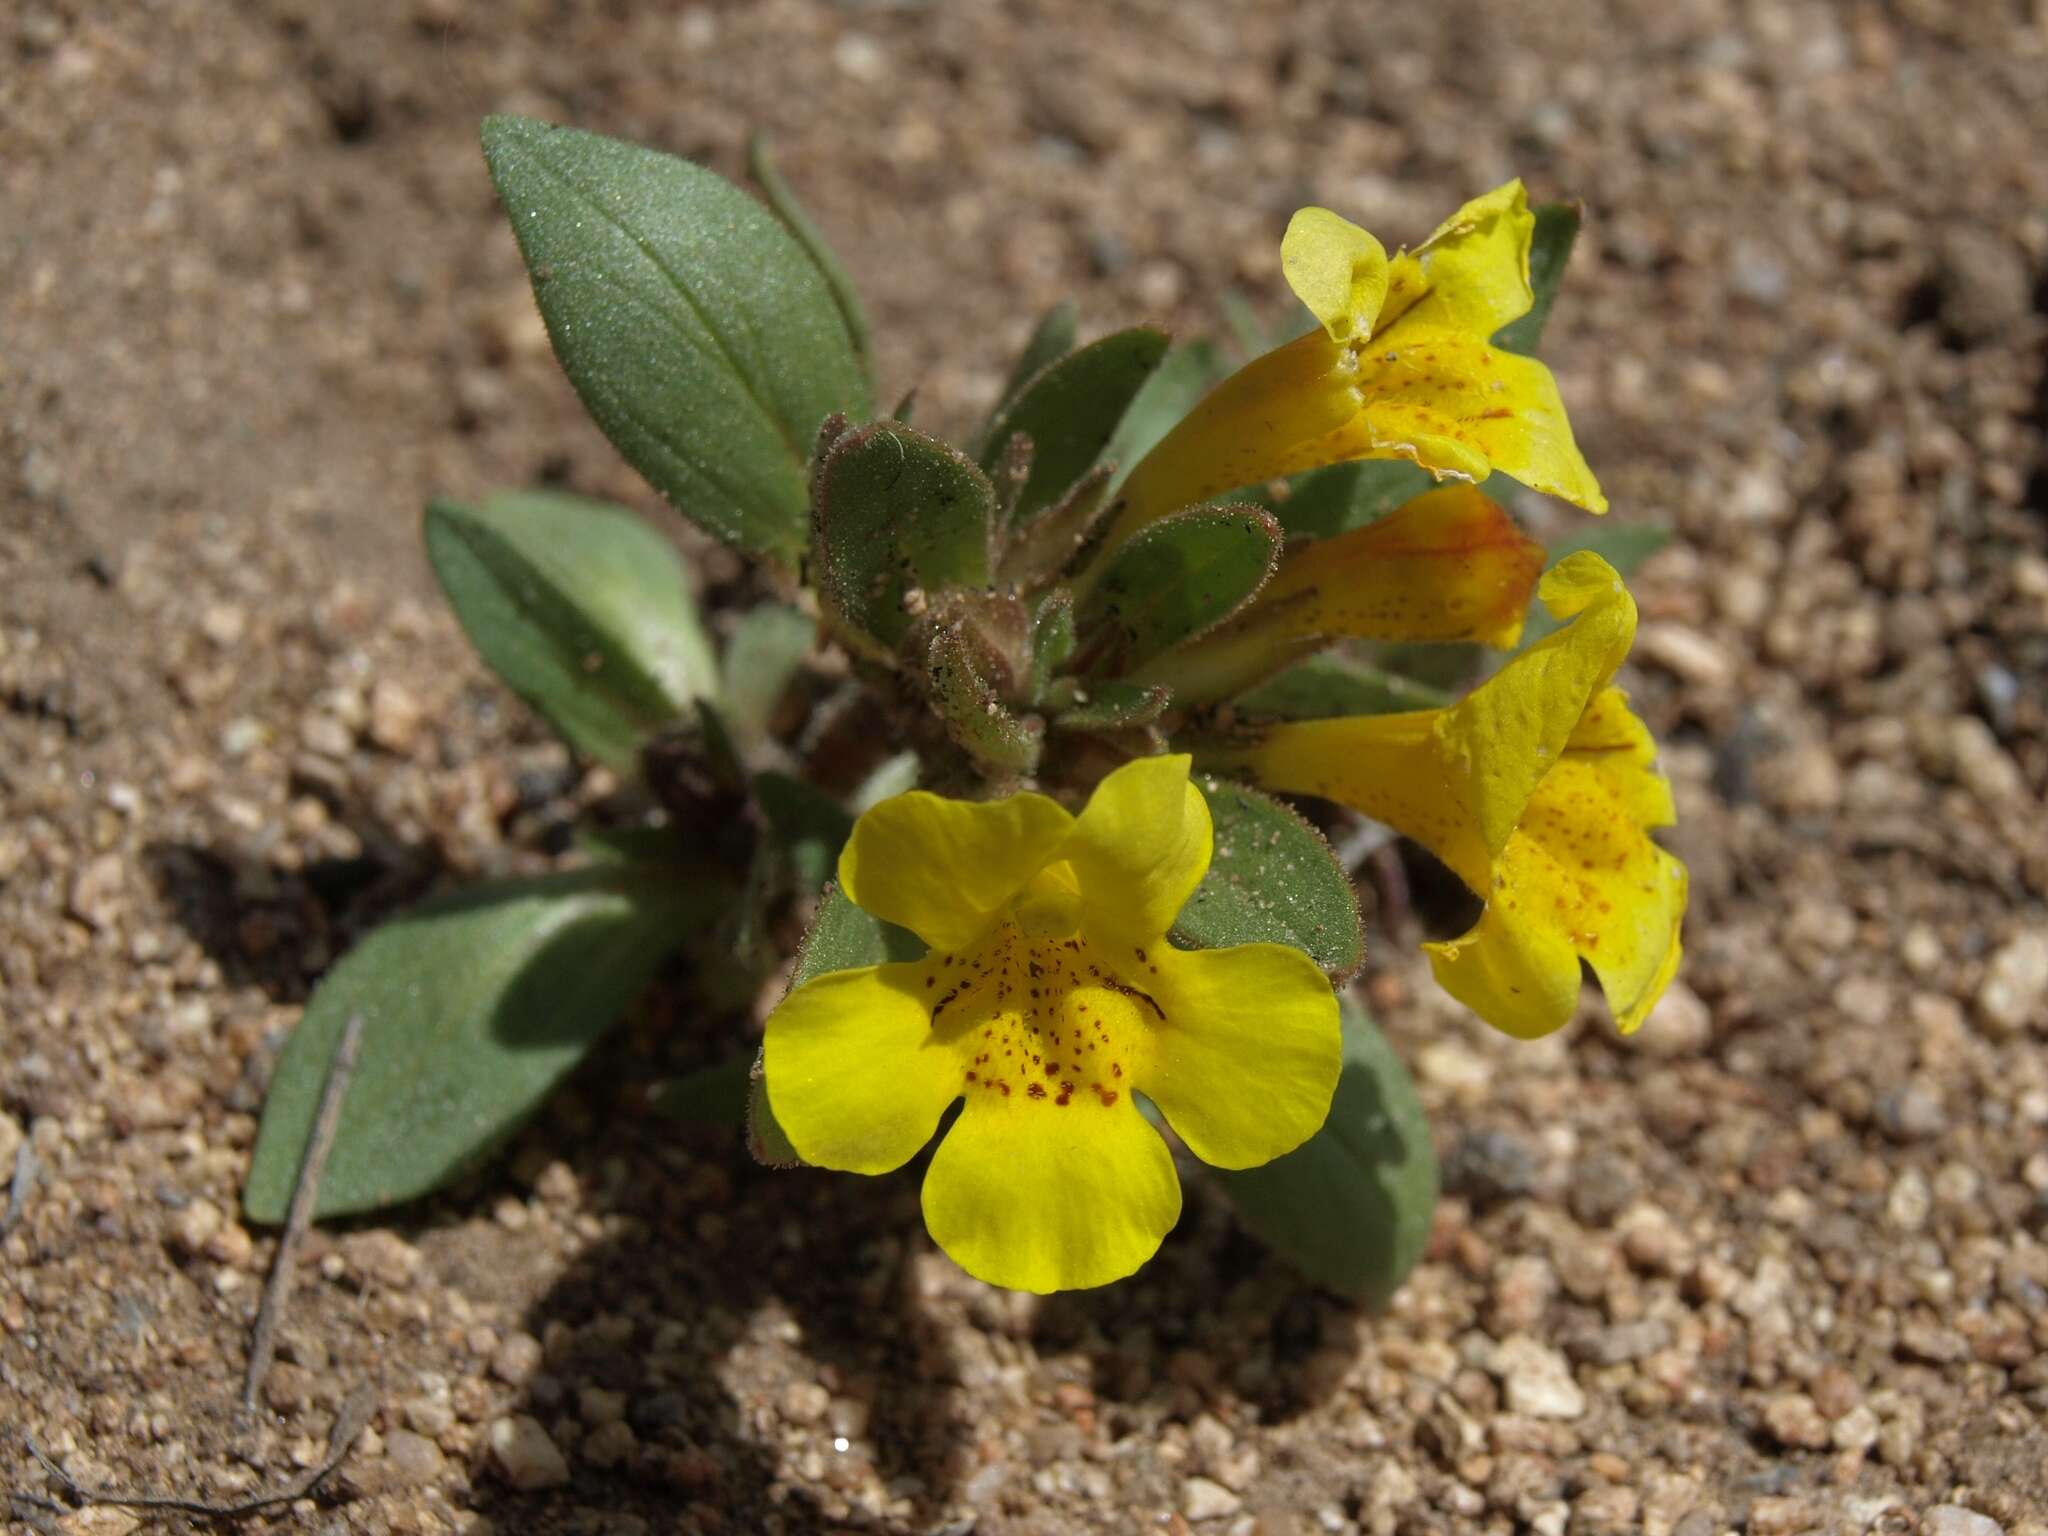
(764, 1331)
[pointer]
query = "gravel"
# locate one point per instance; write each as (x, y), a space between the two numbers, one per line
(1776, 1262)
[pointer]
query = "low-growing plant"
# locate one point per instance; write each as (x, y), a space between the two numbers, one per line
(1038, 817)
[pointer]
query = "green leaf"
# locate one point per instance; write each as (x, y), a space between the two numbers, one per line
(1557, 227)
(644, 844)
(474, 1005)
(1350, 1207)
(696, 330)
(1622, 545)
(1252, 336)
(1051, 339)
(1052, 639)
(964, 694)
(1272, 880)
(1174, 579)
(1448, 666)
(1036, 552)
(766, 649)
(1329, 685)
(1114, 706)
(896, 510)
(844, 938)
(1185, 375)
(1340, 497)
(1071, 411)
(583, 610)
(713, 1095)
(766, 1139)
(761, 166)
(809, 826)
(893, 775)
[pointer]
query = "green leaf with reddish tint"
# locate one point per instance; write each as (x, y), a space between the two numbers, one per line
(962, 689)
(1113, 706)
(896, 510)
(1351, 1207)
(698, 332)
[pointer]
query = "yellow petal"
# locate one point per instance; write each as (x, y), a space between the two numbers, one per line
(1498, 742)
(1449, 565)
(1263, 421)
(1336, 269)
(1579, 879)
(1538, 790)
(943, 868)
(1456, 404)
(1390, 767)
(1472, 275)
(1457, 780)
(1139, 849)
(1037, 1198)
(1245, 1060)
(856, 1074)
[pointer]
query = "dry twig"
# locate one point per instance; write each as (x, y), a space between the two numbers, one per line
(277, 1291)
(26, 1171)
(349, 1423)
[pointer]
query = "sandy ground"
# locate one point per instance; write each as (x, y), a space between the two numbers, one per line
(1775, 1265)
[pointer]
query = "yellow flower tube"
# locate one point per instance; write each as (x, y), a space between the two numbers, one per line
(1402, 366)
(1538, 791)
(1448, 566)
(1050, 994)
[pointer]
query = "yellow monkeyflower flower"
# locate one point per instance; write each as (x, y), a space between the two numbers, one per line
(1049, 995)
(1538, 791)
(1403, 366)
(1449, 565)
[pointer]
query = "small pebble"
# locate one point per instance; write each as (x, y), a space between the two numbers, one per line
(611, 1444)
(415, 1460)
(517, 1359)
(597, 1406)
(1954, 1520)
(1201, 1499)
(1793, 1421)
(805, 1402)
(2014, 993)
(1536, 1380)
(1605, 1510)
(526, 1455)
(395, 717)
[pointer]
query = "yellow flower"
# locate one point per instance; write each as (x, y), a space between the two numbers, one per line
(1403, 366)
(1449, 565)
(1049, 995)
(1538, 791)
